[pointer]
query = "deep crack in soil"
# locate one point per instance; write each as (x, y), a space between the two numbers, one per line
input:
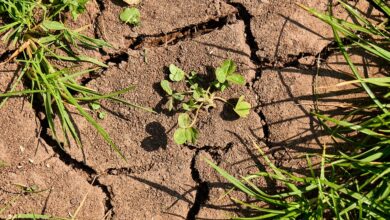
(265, 126)
(188, 32)
(293, 60)
(119, 171)
(246, 17)
(202, 190)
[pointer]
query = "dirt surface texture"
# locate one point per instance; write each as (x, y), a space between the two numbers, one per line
(286, 57)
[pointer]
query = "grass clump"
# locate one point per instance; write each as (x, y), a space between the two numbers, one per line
(353, 183)
(197, 97)
(35, 29)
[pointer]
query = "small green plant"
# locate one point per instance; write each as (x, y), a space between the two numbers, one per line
(131, 16)
(198, 97)
(35, 29)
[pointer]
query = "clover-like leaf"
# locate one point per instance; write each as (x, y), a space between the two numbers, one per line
(191, 134)
(166, 87)
(236, 78)
(102, 115)
(197, 93)
(180, 136)
(176, 74)
(230, 66)
(131, 16)
(94, 106)
(186, 107)
(242, 107)
(220, 74)
(178, 96)
(227, 67)
(184, 120)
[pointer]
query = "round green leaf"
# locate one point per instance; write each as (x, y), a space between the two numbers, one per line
(242, 107)
(227, 67)
(94, 106)
(131, 16)
(191, 134)
(186, 107)
(102, 115)
(236, 78)
(166, 87)
(184, 120)
(230, 66)
(180, 136)
(221, 74)
(176, 74)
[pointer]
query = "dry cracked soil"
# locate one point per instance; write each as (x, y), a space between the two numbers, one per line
(284, 54)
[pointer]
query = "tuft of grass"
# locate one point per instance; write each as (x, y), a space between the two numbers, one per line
(353, 183)
(35, 29)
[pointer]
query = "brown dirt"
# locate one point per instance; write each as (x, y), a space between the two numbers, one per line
(275, 45)
(28, 162)
(158, 17)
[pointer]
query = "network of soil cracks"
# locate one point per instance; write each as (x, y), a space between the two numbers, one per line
(284, 54)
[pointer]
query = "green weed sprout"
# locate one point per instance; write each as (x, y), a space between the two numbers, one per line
(197, 97)
(34, 28)
(131, 16)
(353, 183)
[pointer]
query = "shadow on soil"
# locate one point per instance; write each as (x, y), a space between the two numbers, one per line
(157, 139)
(186, 196)
(332, 101)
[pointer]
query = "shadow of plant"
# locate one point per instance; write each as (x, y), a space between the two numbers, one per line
(157, 139)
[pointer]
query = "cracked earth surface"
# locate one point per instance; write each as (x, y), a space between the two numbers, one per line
(281, 50)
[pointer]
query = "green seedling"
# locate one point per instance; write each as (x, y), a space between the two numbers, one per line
(102, 115)
(41, 39)
(97, 108)
(196, 97)
(131, 16)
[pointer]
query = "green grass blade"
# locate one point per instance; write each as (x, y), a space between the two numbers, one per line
(354, 70)
(351, 126)
(381, 4)
(89, 118)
